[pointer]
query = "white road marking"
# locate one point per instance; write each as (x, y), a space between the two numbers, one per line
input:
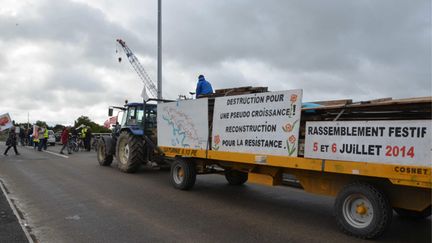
(57, 154)
(54, 153)
(75, 217)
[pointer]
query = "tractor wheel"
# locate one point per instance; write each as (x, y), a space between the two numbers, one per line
(235, 177)
(362, 211)
(406, 213)
(130, 152)
(183, 174)
(103, 157)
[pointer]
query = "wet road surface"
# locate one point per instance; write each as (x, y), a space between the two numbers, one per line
(75, 200)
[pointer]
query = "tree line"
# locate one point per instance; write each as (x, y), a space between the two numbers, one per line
(82, 120)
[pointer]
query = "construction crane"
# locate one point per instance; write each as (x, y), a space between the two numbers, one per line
(148, 82)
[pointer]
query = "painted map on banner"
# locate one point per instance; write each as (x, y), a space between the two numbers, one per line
(5, 122)
(388, 142)
(262, 123)
(183, 124)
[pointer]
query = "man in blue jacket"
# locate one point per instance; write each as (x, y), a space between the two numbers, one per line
(203, 87)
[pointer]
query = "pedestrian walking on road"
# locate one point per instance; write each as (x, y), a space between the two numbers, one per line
(41, 138)
(45, 138)
(87, 139)
(65, 140)
(22, 135)
(36, 137)
(30, 136)
(11, 141)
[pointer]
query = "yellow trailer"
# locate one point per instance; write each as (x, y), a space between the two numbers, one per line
(366, 192)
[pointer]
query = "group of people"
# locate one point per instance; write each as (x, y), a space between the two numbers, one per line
(67, 134)
(38, 138)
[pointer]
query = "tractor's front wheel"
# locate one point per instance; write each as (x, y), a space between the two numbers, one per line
(130, 152)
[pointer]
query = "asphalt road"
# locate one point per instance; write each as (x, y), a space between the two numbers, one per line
(10, 228)
(75, 200)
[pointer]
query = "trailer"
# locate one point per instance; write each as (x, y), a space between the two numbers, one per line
(374, 156)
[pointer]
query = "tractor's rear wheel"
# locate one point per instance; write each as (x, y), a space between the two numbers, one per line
(103, 157)
(183, 174)
(130, 152)
(362, 210)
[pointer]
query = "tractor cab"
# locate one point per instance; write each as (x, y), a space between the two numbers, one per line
(136, 118)
(134, 140)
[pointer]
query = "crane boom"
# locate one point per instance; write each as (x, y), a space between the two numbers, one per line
(148, 82)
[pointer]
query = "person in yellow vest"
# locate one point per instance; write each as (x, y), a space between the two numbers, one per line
(83, 135)
(83, 132)
(41, 138)
(87, 139)
(45, 138)
(36, 137)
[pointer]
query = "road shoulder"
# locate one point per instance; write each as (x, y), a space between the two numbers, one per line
(10, 227)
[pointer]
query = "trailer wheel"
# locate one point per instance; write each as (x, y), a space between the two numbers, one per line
(363, 211)
(130, 152)
(103, 157)
(183, 174)
(235, 177)
(406, 213)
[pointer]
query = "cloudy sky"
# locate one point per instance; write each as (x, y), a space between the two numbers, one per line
(58, 57)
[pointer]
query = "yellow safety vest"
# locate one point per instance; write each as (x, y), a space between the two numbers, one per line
(83, 132)
(46, 133)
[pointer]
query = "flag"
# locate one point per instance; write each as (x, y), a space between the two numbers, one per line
(144, 93)
(5, 122)
(110, 121)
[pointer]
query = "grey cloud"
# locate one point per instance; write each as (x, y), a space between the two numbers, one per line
(332, 37)
(64, 23)
(295, 34)
(73, 79)
(332, 49)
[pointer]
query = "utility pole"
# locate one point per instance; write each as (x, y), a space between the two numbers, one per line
(159, 79)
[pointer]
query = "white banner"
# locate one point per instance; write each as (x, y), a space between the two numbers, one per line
(183, 124)
(5, 122)
(388, 142)
(262, 123)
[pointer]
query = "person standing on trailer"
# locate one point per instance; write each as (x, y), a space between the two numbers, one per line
(203, 87)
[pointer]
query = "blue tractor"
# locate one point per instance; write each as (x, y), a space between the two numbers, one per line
(134, 140)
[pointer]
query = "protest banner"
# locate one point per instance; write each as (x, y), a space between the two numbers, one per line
(261, 123)
(183, 124)
(5, 122)
(405, 142)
